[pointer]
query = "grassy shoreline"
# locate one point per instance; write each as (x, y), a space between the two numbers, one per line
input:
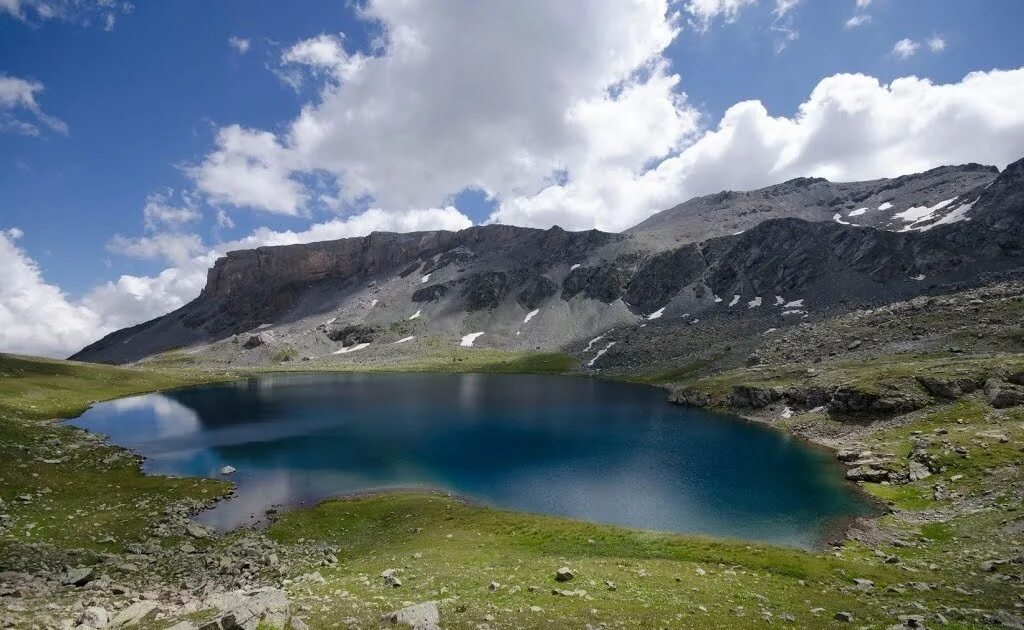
(451, 551)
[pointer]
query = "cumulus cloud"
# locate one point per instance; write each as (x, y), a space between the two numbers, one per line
(19, 110)
(502, 107)
(936, 44)
(37, 317)
(905, 48)
(852, 127)
(241, 44)
(250, 168)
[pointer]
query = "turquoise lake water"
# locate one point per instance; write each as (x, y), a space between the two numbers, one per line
(583, 448)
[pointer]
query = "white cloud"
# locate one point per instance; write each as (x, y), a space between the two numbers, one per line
(324, 52)
(936, 44)
(905, 48)
(250, 168)
(175, 248)
(782, 7)
(241, 44)
(704, 12)
(36, 317)
(423, 119)
(863, 4)
(859, 19)
(18, 99)
(160, 211)
(852, 127)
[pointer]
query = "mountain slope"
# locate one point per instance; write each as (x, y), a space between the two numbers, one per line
(384, 296)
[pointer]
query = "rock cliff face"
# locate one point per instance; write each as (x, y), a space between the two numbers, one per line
(806, 247)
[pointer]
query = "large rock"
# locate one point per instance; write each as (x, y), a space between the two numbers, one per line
(867, 473)
(79, 576)
(266, 607)
(1001, 394)
(132, 615)
(423, 616)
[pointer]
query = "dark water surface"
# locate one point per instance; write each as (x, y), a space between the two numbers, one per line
(589, 449)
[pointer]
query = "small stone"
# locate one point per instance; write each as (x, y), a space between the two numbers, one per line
(564, 574)
(843, 616)
(227, 470)
(493, 586)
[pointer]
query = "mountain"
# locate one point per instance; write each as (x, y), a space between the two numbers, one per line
(716, 269)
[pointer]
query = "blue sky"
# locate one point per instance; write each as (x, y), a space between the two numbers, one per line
(139, 109)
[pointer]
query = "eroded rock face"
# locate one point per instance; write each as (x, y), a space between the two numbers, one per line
(486, 290)
(536, 291)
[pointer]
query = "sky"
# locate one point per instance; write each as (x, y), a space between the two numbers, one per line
(141, 141)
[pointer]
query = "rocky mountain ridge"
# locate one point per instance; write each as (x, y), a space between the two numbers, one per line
(805, 249)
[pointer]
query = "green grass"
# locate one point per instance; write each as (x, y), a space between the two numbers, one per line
(660, 579)
(80, 492)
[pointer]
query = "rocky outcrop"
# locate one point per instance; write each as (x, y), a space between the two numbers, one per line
(352, 334)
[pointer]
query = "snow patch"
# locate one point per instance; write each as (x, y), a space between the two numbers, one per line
(599, 353)
(794, 312)
(921, 214)
(779, 300)
(657, 314)
(787, 413)
(329, 322)
(425, 279)
(373, 303)
(754, 303)
(958, 214)
(574, 267)
(467, 340)
(735, 300)
(885, 206)
(358, 346)
(838, 218)
(592, 342)
(794, 304)
(404, 339)
(531, 315)
(416, 314)
(919, 277)
(717, 299)
(857, 212)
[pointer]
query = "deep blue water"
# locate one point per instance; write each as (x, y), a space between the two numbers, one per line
(589, 449)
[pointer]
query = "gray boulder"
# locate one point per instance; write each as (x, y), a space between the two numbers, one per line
(266, 607)
(1001, 394)
(423, 616)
